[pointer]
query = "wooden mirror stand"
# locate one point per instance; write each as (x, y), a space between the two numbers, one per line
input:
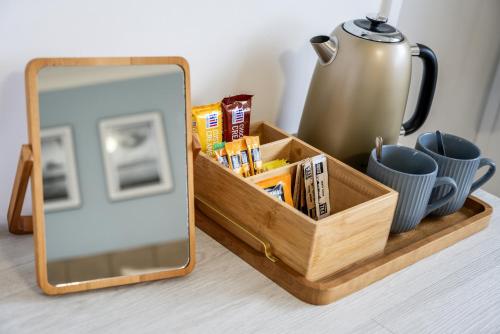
(19, 224)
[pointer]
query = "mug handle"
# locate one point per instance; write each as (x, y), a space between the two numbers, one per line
(441, 181)
(486, 177)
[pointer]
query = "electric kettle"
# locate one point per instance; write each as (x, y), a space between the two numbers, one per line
(359, 89)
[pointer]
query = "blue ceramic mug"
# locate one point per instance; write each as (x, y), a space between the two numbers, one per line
(461, 163)
(413, 175)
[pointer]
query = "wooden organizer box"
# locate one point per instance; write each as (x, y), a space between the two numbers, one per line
(357, 229)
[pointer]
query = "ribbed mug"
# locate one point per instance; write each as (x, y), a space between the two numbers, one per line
(461, 163)
(413, 175)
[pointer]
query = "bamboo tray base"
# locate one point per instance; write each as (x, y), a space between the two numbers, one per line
(431, 236)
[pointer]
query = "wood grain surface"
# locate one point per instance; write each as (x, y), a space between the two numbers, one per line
(453, 291)
(357, 229)
(20, 224)
(431, 236)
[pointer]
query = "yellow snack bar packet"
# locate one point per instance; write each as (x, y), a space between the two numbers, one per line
(273, 164)
(279, 186)
(245, 161)
(234, 157)
(220, 154)
(253, 147)
(207, 123)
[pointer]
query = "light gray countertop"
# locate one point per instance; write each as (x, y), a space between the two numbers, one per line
(454, 291)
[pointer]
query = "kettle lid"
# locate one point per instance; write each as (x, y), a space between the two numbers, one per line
(374, 28)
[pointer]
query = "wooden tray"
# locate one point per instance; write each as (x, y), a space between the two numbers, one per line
(431, 236)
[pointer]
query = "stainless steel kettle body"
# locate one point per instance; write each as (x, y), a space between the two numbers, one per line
(359, 91)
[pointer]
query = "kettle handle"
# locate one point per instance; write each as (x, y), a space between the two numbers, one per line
(427, 88)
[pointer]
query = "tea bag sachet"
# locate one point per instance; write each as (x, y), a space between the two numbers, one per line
(322, 192)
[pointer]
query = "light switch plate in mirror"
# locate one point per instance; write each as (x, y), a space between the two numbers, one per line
(112, 176)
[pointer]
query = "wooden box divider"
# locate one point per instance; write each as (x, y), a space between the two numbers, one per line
(267, 133)
(291, 149)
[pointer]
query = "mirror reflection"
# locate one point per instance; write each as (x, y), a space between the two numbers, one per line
(113, 142)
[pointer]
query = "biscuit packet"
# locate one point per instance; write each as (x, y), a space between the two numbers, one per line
(207, 123)
(236, 113)
(234, 157)
(279, 186)
(245, 162)
(220, 154)
(253, 146)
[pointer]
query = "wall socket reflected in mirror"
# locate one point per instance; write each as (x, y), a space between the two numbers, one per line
(112, 170)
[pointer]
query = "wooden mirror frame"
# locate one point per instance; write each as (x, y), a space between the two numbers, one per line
(31, 159)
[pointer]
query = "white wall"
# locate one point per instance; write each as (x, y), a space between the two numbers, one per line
(260, 47)
(488, 137)
(464, 35)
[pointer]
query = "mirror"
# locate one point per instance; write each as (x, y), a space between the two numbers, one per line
(112, 170)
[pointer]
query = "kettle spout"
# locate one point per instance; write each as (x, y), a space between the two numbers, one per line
(326, 47)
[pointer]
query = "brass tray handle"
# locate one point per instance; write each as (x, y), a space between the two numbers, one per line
(265, 244)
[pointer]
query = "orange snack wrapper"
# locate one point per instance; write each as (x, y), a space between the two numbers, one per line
(245, 161)
(234, 157)
(279, 186)
(220, 154)
(253, 147)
